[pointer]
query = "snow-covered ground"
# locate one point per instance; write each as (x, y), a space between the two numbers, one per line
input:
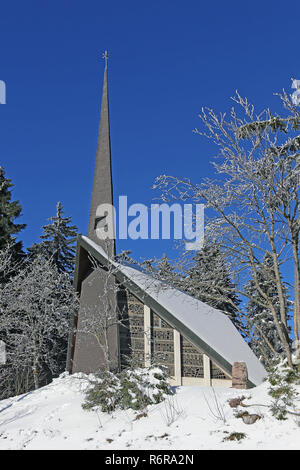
(52, 418)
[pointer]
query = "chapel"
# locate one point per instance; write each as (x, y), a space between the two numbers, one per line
(126, 313)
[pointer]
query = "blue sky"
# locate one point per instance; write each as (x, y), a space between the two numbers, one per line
(167, 60)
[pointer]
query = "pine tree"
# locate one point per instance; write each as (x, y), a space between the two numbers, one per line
(260, 321)
(208, 279)
(165, 271)
(9, 211)
(59, 238)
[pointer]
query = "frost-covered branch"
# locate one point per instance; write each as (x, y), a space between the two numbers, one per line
(254, 201)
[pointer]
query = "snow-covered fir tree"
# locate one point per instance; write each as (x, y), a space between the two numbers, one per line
(165, 270)
(205, 276)
(264, 337)
(9, 212)
(58, 241)
(208, 279)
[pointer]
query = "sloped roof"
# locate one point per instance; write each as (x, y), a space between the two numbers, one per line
(206, 327)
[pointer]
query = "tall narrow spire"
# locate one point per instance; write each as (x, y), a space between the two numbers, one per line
(101, 221)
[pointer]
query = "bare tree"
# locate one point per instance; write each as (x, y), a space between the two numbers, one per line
(255, 200)
(35, 306)
(7, 262)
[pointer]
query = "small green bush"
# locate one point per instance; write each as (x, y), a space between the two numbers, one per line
(104, 392)
(281, 378)
(131, 388)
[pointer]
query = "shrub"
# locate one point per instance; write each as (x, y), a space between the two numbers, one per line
(104, 392)
(131, 388)
(281, 378)
(143, 386)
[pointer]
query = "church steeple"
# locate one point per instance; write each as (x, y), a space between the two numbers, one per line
(102, 186)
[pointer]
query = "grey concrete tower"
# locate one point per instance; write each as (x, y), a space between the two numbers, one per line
(97, 287)
(102, 186)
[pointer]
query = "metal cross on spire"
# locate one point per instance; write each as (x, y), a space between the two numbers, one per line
(105, 57)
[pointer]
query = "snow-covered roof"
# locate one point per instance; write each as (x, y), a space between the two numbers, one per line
(210, 325)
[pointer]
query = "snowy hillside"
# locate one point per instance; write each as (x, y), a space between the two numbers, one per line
(52, 418)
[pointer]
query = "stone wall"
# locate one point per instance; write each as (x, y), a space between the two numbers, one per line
(162, 343)
(132, 344)
(191, 360)
(132, 331)
(217, 373)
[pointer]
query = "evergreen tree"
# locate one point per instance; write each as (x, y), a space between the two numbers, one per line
(260, 321)
(165, 271)
(208, 279)
(59, 238)
(9, 211)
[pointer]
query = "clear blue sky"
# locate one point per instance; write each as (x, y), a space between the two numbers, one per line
(167, 60)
